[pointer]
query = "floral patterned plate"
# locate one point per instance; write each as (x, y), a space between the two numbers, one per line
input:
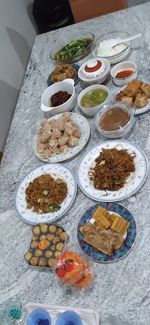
(56, 170)
(128, 243)
(134, 181)
(84, 127)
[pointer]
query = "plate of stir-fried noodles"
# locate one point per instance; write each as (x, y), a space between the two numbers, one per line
(112, 171)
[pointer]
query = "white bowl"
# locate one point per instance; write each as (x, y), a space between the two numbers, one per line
(92, 111)
(115, 35)
(127, 65)
(65, 85)
(122, 131)
(99, 75)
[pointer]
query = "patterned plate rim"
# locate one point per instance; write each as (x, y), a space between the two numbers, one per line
(120, 258)
(103, 199)
(58, 157)
(63, 212)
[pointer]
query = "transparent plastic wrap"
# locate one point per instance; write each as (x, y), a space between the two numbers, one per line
(73, 268)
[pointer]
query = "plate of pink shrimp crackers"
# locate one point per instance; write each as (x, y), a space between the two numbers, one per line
(61, 137)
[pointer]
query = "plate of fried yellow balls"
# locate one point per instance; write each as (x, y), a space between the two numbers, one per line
(47, 243)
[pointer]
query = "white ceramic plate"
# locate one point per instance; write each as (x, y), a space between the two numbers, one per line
(138, 110)
(84, 126)
(88, 316)
(56, 170)
(134, 181)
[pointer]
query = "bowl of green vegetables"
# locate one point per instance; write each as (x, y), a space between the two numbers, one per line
(74, 49)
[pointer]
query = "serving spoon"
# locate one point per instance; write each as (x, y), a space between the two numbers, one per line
(126, 40)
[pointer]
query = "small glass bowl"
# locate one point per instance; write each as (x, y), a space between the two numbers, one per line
(113, 35)
(122, 131)
(78, 56)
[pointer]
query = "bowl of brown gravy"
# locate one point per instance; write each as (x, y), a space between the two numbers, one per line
(114, 121)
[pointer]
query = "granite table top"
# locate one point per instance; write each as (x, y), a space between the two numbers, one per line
(123, 288)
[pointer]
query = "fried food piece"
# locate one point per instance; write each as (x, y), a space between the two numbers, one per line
(101, 241)
(59, 230)
(141, 100)
(120, 225)
(117, 240)
(50, 237)
(36, 230)
(42, 262)
(34, 244)
(101, 215)
(38, 253)
(127, 101)
(28, 256)
(48, 254)
(56, 240)
(44, 228)
(145, 89)
(63, 71)
(63, 235)
(112, 218)
(52, 228)
(60, 246)
(51, 262)
(34, 261)
(132, 87)
(100, 211)
(119, 95)
(86, 228)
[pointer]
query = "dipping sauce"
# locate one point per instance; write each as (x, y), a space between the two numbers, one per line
(59, 98)
(124, 73)
(113, 119)
(94, 98)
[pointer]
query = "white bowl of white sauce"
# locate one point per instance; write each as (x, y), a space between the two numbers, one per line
(104, 44)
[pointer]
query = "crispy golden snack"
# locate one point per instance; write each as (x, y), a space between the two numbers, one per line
(145, 89)
(141, 100)
(120, 225)
(132, 87)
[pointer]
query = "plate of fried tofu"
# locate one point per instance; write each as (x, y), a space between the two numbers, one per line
(107, 232)
(135, 95)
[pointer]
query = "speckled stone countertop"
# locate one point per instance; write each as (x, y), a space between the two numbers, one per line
(122, 288)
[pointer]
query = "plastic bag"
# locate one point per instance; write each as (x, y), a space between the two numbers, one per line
(72, 268)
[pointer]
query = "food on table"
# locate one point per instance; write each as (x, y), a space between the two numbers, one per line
(59, 98)
(62, 72)
(45, 251)
(120, 225)
(94, 98)
(112, 169)
(73, 269)
(113, 119)
(124, 73)
(72, 49)
(56, 136)
(87, 278)
(135, 94)
(45, 194)
(109, 239)
(106, 49)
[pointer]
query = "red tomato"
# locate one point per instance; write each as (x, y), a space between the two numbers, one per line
(61, 272)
